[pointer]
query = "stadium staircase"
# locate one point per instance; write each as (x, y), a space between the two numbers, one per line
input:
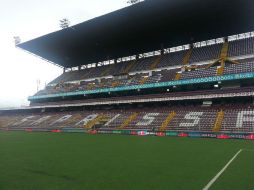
(219, 120)
(128, 120)
(90, 86)
(6, 121)
(178, 76)
(115, 84)
(143, 81)
(224, 51)
(156, 62)
(222, 59)
(71, 120)
(97, 120)
(167, 121)
(187, 56)
(220, 71)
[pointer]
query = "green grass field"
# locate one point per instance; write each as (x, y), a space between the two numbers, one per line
(47, 161)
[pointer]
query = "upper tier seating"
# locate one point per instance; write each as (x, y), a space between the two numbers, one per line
(207, 53)
(241, 47)
(137, 79)
(239, 68)
(172, 59)
(143, 64)
(117, 68)
(246, 60)
(201, 73)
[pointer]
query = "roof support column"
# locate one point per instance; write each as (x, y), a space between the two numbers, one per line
(162, 49)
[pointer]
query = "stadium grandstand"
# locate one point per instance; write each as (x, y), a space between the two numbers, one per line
(159, 67)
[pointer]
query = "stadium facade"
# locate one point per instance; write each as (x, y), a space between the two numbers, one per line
(157, 67)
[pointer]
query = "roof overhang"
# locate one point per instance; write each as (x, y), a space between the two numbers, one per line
(144, 27)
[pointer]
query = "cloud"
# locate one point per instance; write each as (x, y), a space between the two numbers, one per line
(29, 19)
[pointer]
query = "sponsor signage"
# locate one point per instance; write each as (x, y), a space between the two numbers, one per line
(161, 134)
(183, 135)
(194, 135)
(117, 132)
(153, 85)
(249, 137)
(93, 132)
(208, 135)
(223, 136)
(56, 131)
(133, 133)
(172, 134)
(74, 130)
(142, 133)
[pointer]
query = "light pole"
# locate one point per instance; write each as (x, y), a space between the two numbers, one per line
(64, 23)
(17, 40)
(132, 2)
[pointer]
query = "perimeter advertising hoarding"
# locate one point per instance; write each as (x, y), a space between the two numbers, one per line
(145, 132)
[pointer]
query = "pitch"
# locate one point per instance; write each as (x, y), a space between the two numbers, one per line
(54, 161)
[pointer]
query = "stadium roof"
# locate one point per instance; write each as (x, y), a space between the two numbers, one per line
(144, 27)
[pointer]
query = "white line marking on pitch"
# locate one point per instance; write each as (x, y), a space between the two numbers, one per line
(249, 150)
(222, 170)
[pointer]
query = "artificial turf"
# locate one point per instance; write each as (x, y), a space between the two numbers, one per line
(51, 161)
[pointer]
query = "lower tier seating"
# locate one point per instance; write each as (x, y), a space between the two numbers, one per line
(236, 119)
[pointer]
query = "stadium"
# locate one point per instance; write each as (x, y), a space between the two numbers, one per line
(160, 89)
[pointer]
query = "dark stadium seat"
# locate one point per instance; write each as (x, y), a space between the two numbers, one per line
(241, 47)
(141, 78)
(207, 53)
(172, 59)
(237, 118)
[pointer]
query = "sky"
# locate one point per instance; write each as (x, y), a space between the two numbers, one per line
(28, 19)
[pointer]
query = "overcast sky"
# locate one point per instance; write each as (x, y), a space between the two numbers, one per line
(29, 19)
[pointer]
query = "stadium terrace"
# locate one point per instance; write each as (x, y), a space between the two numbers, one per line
(169, 69)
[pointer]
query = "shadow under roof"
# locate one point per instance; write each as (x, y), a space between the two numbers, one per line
(143, 27)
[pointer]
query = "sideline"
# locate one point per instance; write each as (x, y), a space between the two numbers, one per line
(222, 170)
